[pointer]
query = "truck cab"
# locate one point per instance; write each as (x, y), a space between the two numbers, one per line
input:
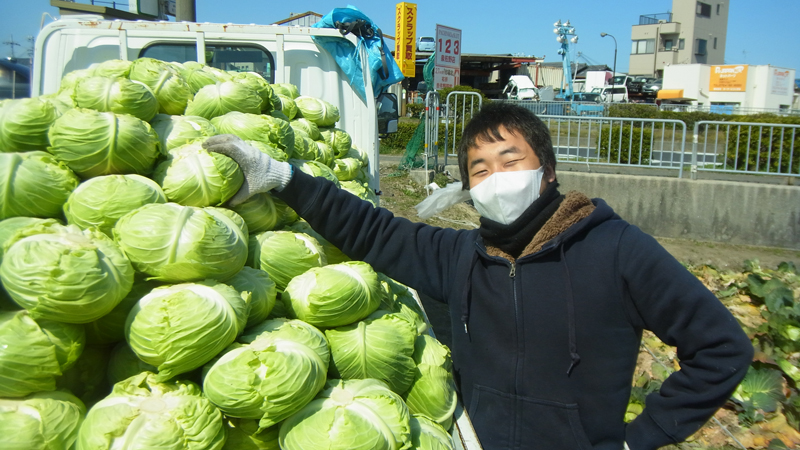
(280, 54)
(520, 87)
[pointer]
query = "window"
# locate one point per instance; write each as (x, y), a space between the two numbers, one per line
(717, 8)
(643, 46)
(668, 45)
(681, 44)
(715, 43)
(700, 47)
(239, 58)
(703, 9)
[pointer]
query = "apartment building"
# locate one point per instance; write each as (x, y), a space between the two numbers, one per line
(694, 32)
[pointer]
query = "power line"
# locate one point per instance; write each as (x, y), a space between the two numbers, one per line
(12, 43)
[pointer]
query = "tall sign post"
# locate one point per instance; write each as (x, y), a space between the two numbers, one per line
(447, 68)
(405, 50)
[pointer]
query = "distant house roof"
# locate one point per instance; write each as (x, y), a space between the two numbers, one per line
(582, 68)
(22, 71)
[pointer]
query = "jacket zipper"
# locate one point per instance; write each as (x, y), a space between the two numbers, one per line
(518, 322)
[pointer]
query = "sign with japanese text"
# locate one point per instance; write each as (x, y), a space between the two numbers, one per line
(728, 78)
(405, 49)
(448, 47)
(445, 77)
(781, 82)
(447, 68)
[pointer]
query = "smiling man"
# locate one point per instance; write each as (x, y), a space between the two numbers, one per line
(548, 298)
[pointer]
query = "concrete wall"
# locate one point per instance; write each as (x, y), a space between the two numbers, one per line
(704, 210)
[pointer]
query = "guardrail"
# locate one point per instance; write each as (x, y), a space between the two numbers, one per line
(619, 141)
(746, 147)
(728, 109)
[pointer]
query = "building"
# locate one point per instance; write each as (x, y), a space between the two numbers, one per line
(693, 33)
(730, 89)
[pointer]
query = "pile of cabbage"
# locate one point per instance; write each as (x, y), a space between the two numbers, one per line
(136, 309)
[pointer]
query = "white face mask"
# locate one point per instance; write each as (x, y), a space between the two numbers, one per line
(504, 196)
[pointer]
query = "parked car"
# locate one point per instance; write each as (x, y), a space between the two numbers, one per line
(520, 87)
(584, 97)
(651, 89)
(426, 44)
(612, 94)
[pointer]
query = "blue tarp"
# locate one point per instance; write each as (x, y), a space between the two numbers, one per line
(384, 69)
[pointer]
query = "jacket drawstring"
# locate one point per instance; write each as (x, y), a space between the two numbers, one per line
(573, 346)
(465, 295)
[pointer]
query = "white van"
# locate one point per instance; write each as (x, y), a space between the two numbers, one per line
(520, 87)
(612, 94)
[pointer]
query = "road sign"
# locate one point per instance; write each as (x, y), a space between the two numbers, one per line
(447, 67)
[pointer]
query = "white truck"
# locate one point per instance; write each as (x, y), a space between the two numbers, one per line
(280, 54)
(596, 79)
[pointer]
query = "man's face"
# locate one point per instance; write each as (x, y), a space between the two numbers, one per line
(507, 155)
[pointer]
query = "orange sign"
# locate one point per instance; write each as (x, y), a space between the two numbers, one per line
(405, 48)
(728, 78)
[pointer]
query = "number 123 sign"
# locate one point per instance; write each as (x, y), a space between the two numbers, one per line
(448, 47)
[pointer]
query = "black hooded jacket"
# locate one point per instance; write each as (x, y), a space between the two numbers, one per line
(544, 347)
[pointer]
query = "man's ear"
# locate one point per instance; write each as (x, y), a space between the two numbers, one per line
(549, 174)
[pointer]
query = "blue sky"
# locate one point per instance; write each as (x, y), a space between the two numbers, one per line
(759, 32)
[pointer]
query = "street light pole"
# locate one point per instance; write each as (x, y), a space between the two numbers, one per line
(615, 56)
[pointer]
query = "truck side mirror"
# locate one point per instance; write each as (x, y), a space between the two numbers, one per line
(386, 105)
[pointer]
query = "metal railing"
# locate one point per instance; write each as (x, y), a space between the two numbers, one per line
(746, 147)
(619, 141)
(457, 114)
(432, 111)
(652, 19)
(729, 109)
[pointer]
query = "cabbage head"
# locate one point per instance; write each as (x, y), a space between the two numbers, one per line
(24, 124)
(306, 126)
(284, 255)
(332, 253)
(346, 169)
(117, 95)
(9, 227)
(41, 421)
(380, 346)
(221, 98)
(196, 77)
(260, 212)
(286, 89)
(325, 153)
(110, 328)
(245, 434)
(175, 243)
(316, 169)
(292, 330)
(339, 140)
(317, 110)
(433, 391)
(429, 435)
(170, 89)
(350, 414)
(71, 79)
(96, 143)
(261, 289)
(100, 202)
(358, 154)
(179, 328)
(34, 353)
(123, 364)
(268, 149)
(287, 106)
(34, 184)
(333, 295)
(87, 378)
(257, 127)
(143, 413)
(61, 101)
(268, 379)
(175, 131)
(257, 83)
(193, 176)
(66, 274)
(113, 68)
(360, 190)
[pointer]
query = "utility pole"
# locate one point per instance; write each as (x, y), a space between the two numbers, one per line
(12, 43)
(185, 11)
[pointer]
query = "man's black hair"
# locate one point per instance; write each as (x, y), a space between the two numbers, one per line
(485, 126)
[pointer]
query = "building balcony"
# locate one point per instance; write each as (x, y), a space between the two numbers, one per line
(652, 19)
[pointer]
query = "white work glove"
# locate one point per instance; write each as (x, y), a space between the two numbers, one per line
(261, 173)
